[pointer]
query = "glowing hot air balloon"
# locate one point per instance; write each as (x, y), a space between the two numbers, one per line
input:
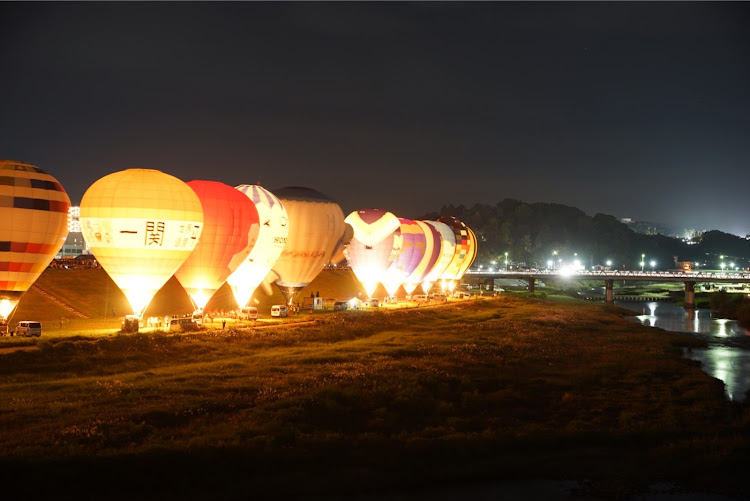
(33, 227)
(376, 244)
(447, 250)
(272, 236)
(230, 229)
(316, 225)
(338, 252)
(141, 225)
(412, 250)
(466, 251)
(430, 256)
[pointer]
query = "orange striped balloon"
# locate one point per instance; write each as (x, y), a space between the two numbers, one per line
(33, 226)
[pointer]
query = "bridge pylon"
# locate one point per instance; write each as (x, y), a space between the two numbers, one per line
(689, 295)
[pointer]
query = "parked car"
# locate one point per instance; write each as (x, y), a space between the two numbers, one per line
(420, 298)
(373, 301)
(279, 310)
(340, 305)
(28, 328)
(461, 295)
(248, 313)
(131, 323)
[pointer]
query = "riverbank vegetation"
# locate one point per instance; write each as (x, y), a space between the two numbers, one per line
(482, 390)
(733, 306)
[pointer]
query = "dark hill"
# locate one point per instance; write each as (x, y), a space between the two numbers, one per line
(531, 233)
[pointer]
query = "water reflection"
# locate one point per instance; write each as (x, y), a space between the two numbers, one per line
(728, 355)
(728, 364)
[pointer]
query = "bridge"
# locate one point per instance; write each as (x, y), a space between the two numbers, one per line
(689, 278)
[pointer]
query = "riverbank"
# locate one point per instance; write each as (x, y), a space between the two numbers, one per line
(491, 390)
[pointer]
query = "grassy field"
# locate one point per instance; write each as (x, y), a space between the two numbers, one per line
(482, 390)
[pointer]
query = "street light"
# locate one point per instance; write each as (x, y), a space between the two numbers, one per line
(643, 261)
(506, 261)
(652, 263)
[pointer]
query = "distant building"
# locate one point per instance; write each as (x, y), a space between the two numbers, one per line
(682, 265)
(74, 244)
(74, 219)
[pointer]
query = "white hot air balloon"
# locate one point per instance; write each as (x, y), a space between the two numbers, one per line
(316, 225)
(447, 251)
(272, 237)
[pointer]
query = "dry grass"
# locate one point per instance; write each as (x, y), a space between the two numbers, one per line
(485, 389)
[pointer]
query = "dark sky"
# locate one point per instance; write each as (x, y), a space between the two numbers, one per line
(637, 110)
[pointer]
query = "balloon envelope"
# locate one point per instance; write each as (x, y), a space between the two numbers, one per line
(33, 226)
(141, 225)
(316, 225)
(413, 243)
(338, 252)
(272, 236)
(466, 249)
(447, 250)
(375, 244)
(230, 230)
(430, 256)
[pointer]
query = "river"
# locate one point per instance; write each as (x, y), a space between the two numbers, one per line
(728, 354)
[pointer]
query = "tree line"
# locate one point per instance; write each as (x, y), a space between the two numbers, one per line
(533, 234)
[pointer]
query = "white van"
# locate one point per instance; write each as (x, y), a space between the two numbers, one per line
(28, 328)
(279, 310)
(248, 313)
(420, 298)
(461, 295)
(198, 317)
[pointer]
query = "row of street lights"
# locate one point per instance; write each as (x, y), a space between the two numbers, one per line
(556, 262)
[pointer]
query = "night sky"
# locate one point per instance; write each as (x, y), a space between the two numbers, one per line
(637, 110)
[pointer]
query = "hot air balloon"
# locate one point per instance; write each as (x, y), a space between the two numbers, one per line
(316, 225)
(376, 244)
(338, 252)
(141, 225)
(466, 251)
(230, 230)
(272, 236)
(33, 226)
(447, 250)
(412, 250)
(433, 245)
